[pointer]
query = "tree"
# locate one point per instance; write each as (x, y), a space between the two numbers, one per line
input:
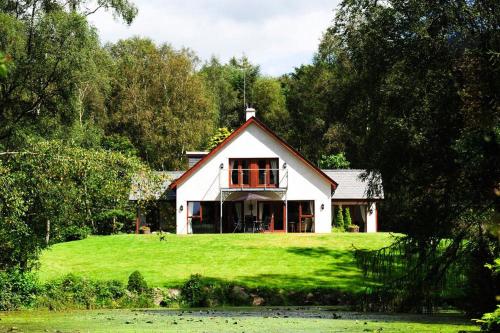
(159, 102)
(49, 42)
(347, 217)
(50, 188)
(269, 101)
(424, 85)
(339, 220)
(220, 135)
(218, 79)
(3, 65)
(232, 86)
(337, 161)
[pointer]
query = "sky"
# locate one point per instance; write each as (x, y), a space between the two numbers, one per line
(278, 35)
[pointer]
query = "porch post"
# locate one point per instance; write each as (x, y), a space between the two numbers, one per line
(137, 220)
(286, 213)
(220, 220)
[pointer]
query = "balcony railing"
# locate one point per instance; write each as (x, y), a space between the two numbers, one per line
(254, 178)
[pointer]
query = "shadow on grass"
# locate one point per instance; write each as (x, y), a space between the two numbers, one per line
(341, 273)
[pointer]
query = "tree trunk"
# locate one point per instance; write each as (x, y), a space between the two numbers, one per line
(47, 233)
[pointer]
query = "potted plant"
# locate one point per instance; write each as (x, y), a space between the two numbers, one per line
(353, 228)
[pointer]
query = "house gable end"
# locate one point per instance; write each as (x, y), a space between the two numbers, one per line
(234, 135)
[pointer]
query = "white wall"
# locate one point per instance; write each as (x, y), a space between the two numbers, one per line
(304, 183)
(371, 218)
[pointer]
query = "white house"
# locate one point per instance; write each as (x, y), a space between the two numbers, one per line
(255, 182)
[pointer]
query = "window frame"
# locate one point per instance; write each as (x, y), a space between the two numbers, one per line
(254, 172)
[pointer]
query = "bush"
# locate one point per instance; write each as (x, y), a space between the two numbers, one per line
(114, 221)
(136, 283)
(73, 233)
(490, 322)
(74, 292)
(17, 290)
(194, 292)
(347, 217)
(339, 220)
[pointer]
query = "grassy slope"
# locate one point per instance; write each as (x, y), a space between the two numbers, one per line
(288, 261)
(170, 321)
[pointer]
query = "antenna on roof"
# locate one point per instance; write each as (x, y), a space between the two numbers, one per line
(245, 89)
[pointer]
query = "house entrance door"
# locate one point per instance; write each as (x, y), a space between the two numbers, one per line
(272, 215)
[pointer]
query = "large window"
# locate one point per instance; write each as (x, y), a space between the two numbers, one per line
(301, 216)
(202, 217)
(262, 172)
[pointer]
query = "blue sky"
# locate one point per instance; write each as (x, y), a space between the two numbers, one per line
(276, 34)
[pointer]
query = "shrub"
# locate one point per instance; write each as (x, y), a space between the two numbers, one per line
(347, 217)
(113, 221)
(73, 233)
(194, 292)
(137, 283)
(339, 220)
(490, 322)
(17, 290)
(74, 292)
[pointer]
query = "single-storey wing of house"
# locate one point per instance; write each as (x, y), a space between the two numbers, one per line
(254, 181)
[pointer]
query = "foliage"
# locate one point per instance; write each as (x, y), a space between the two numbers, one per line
(114, 221)
(193, 292)
(17, 290)
(339, 219)
(3, 65)
(53, 50)
(418, 85)
(337, 161)
(119, 143)
(54, 192)
(269, 101)
(158, 101)
(316, 108)
(137, 283)
(220, 135)
(347, 217)
(239, 84)
(73, 233)
(490, 322)
(73, 292)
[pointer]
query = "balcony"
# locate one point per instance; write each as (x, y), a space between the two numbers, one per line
(254, 179)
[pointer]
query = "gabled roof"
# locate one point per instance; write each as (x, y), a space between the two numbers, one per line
(233, 135)
(352, 184)
(141, 186)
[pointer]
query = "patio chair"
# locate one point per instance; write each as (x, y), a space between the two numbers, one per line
(238, 226)
(306, 225)
(266, 224)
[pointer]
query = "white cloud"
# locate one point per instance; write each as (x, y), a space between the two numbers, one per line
(276, 34)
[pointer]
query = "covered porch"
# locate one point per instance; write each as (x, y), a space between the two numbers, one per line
(250, 211)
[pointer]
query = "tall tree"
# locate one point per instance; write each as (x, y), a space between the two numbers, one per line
(232, 85)
(159, 101)
(425, 81)
(51, 44)
(269, 100)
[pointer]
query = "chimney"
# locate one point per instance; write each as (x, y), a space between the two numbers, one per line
(195, 156)
(250, 112)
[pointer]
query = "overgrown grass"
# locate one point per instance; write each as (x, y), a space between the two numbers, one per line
(230, 320)
(293, 262)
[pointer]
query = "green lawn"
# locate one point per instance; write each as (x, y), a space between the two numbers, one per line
(233, 320)
(290, 261)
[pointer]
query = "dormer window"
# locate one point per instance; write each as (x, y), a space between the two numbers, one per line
(261, 172)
